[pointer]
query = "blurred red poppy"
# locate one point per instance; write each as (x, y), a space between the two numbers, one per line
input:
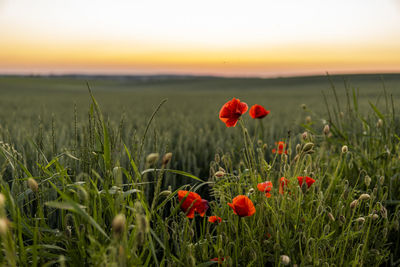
(308, 180)
(214, 219)
(282, 184)
(192, 203)
(281, 148)
(231, 112)
(258, 112)
(265, 187)
(242, 206)
(219, 260)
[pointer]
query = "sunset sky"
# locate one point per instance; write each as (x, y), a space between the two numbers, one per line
(230, 38)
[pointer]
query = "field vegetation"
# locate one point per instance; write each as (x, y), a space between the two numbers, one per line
(103, 171)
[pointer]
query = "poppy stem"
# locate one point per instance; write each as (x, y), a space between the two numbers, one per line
(261, 133)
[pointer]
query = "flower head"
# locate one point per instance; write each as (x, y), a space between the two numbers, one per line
(231, 112)
(214, 219)
(282, 184)
(265, 187)
(242, 206)
(308, 180)
(219, 260)
(192, 203)
(258, 112)
(281, 148)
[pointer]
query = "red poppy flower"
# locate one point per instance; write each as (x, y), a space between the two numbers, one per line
(258, 112)
(282, 184)
(219, 260)
(242, 206)
(281, 148)
(214, 219)
(231, 112)
(308, 180)
(192, 203)
(265, 187)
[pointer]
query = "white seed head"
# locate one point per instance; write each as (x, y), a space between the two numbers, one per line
(345, 149)
(285, 259)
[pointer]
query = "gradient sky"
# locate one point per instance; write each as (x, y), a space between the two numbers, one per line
(231, 38)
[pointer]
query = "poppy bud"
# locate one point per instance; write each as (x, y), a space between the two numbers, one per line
(118, 224)
(379, 123)
(165, 193)
(364, 197)
(219, 174)
(383, 212)
(341, 114)
(374, 216)
(152, 158)
(4, 226)
(265, 146)
(326, 129)
(298, 147)
(167, 158)
(303, 106)
(33, 185)
(82, 194)
(307, 147)
(217, 158)
(360, 220)
(342, 218)
(330, 215)
(308, 119)
(2, 200)
(354, 204)
(367, 180)
(285, 260)
(345, 149)
(304, 136)
(259, 142)
(381, 180)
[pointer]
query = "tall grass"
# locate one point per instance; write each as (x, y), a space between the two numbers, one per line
(97, 199)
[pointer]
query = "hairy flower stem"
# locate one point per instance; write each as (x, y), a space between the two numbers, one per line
(249, 148)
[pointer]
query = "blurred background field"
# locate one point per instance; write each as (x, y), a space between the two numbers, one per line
(55, 110)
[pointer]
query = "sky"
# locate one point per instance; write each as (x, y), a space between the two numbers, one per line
(208, 37)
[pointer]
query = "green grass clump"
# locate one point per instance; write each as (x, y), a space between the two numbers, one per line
(100, 189)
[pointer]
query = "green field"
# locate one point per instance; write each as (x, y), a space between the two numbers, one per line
(51, 131)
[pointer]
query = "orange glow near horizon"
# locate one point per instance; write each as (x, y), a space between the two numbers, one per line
(29, 45)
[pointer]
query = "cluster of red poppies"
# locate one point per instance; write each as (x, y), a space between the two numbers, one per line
(241, 205)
